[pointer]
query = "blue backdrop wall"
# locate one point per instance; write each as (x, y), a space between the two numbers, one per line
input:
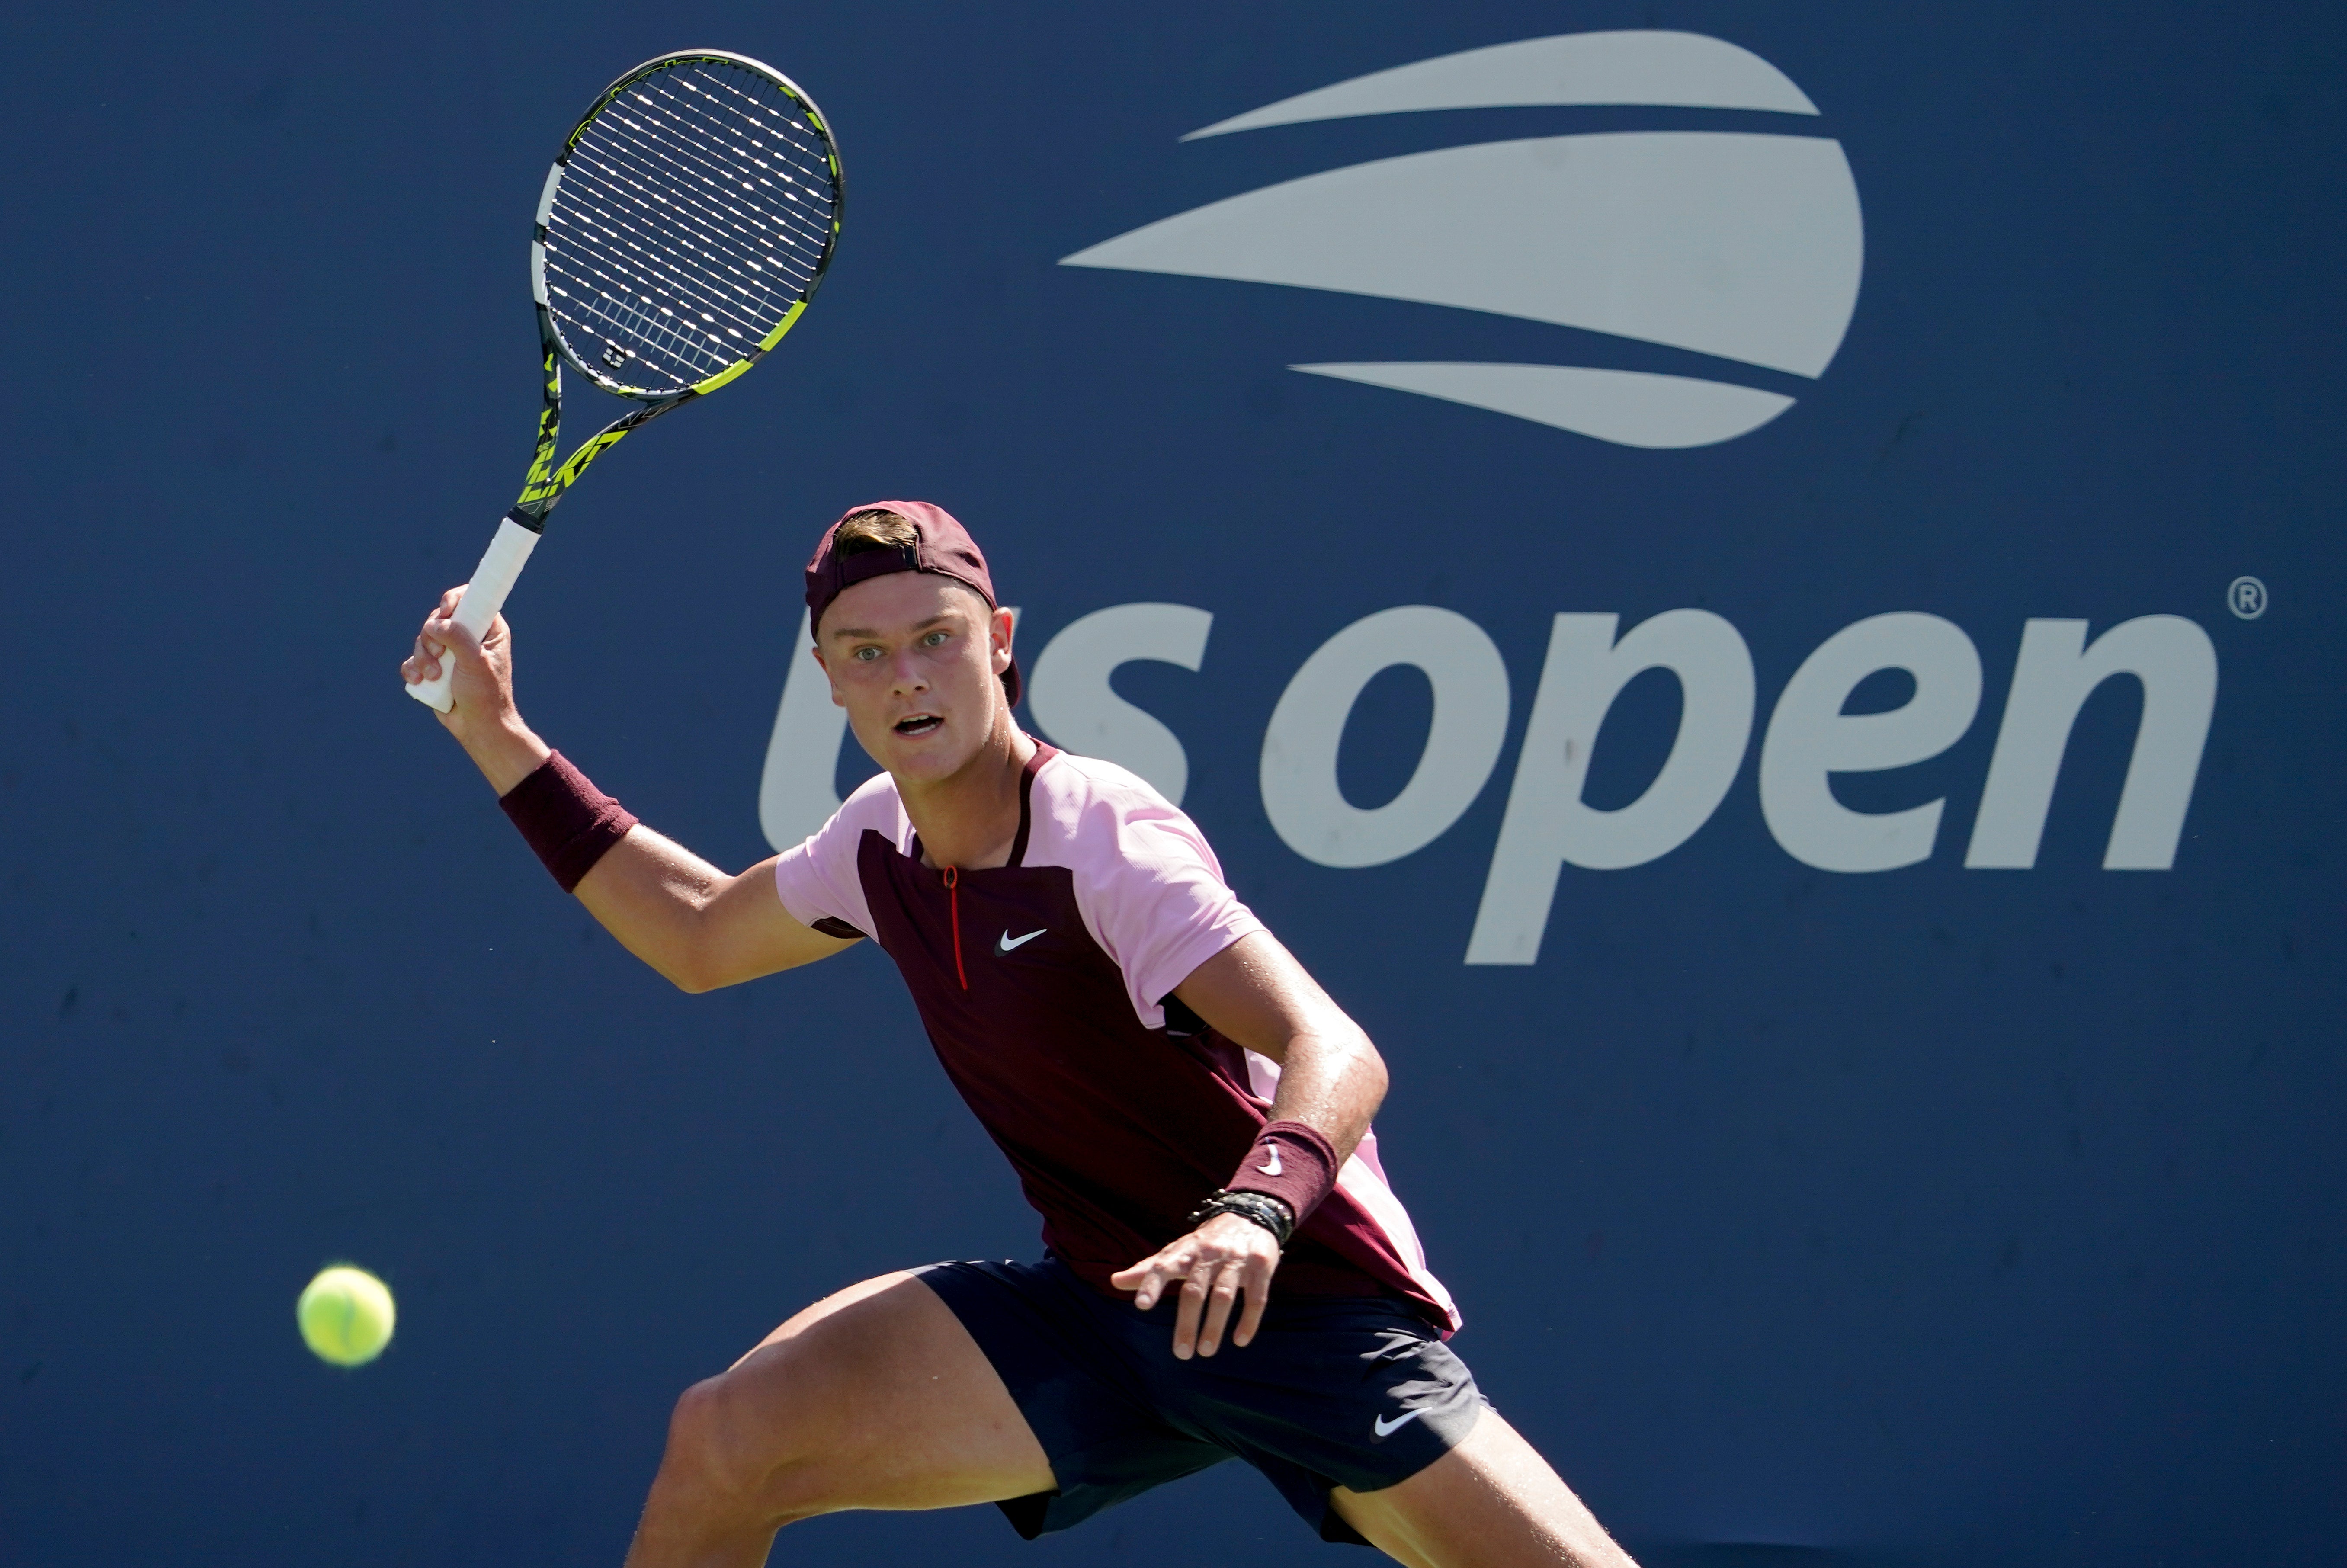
(1943, 1213)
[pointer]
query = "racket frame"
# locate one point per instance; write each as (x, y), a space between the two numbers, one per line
(518, 531)
(546, 482)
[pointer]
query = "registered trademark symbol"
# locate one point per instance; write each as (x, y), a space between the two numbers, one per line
(2247, 598)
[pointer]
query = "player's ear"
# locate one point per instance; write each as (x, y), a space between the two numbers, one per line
(1001, 624)
(815, 653)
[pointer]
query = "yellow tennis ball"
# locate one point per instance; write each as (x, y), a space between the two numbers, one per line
(345, 1316)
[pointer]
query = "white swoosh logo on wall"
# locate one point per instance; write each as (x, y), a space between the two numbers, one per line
(1627, 407)
(1664, 69)
(1744, 246)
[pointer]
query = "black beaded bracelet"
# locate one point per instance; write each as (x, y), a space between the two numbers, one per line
(1261, 1208)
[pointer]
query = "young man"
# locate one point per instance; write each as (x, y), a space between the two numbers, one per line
(1187, 1109)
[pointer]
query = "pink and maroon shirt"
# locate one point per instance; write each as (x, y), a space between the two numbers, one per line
(1046, 985)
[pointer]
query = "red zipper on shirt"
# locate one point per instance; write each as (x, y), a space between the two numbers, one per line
(952, 874)
(953, 896)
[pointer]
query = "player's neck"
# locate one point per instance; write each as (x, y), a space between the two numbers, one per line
(970, 818)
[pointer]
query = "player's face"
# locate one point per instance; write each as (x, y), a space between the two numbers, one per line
(914, 658)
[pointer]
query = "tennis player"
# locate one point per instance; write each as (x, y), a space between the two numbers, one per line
(1226, 1274)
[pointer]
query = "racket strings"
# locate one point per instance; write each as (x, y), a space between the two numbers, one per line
(619, 186)
(627, 173)
(810, 185)
(706, 230)
(682, 259)
(696, 290)
(688, 166)
(813, 177)
(695, 212)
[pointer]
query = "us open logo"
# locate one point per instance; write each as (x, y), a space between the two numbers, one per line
(1743, 246)
(1740, 251)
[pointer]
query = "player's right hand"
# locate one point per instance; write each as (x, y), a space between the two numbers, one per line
(481, 687)
(1223, 1260)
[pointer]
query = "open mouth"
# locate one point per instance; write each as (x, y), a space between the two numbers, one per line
(917, 724)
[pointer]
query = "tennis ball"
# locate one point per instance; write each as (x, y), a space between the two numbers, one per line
(345, 1316)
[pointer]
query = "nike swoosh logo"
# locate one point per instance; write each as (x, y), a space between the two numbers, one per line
(1010, 941)
(1386, 1428)
(1271, 1167)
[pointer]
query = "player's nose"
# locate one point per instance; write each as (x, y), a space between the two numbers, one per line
(906, 675)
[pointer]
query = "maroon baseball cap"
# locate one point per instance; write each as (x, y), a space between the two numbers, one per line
(943, 547)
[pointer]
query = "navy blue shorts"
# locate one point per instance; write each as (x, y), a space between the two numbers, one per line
(1353, 1391)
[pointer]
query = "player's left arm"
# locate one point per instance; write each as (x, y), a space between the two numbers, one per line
(1254, 992)
(1330, 1076)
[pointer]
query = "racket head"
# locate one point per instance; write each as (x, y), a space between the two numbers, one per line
(686, 225)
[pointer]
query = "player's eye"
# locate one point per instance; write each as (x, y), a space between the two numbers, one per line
(934, 639)
(866, 654)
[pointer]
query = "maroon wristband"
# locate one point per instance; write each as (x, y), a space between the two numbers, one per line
(1291, 1161)
(567, 821)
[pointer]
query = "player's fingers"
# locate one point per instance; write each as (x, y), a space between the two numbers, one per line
(1169, 1268)
(421, 663)
(446, 607)
(1154, 1263)
(1258, 1296)
(1219, 1299)
(1146, 1280)
(450, 632)
(1154, 1280)
(1192, 1307)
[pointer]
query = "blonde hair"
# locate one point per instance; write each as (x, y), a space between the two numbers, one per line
(873, 528)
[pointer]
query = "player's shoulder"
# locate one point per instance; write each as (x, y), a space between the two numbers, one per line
(874, 804)
(880, 788)
(1095, 782)
(1099, 817)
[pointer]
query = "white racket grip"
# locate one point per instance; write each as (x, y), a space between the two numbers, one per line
(483, 597)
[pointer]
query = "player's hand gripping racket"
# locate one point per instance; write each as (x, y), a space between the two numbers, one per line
(685, 226)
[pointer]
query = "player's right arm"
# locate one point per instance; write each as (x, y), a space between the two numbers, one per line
(699, 926)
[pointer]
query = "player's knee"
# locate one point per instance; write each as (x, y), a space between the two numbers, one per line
(732, 1440)
(710, 1450)
(696, 1436)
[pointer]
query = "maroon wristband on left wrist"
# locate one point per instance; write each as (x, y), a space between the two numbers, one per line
(1291, 1161)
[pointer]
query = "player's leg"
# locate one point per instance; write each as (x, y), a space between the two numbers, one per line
(875, 1397)
(1491, 1503)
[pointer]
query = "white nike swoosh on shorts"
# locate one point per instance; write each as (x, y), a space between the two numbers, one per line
(1387, 1427)
(1009, 942)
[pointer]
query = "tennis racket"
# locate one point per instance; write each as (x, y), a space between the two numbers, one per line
(686, 225)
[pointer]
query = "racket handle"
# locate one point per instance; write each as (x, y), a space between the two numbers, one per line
(483, 597)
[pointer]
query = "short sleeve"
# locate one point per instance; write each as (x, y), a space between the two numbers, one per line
(1147, 883)
(817, 879)
(1167, 911)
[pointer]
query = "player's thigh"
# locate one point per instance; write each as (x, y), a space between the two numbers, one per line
(1491, 1503)
(878, 1397)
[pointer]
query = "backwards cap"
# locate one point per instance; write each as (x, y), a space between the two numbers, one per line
(942, 546)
